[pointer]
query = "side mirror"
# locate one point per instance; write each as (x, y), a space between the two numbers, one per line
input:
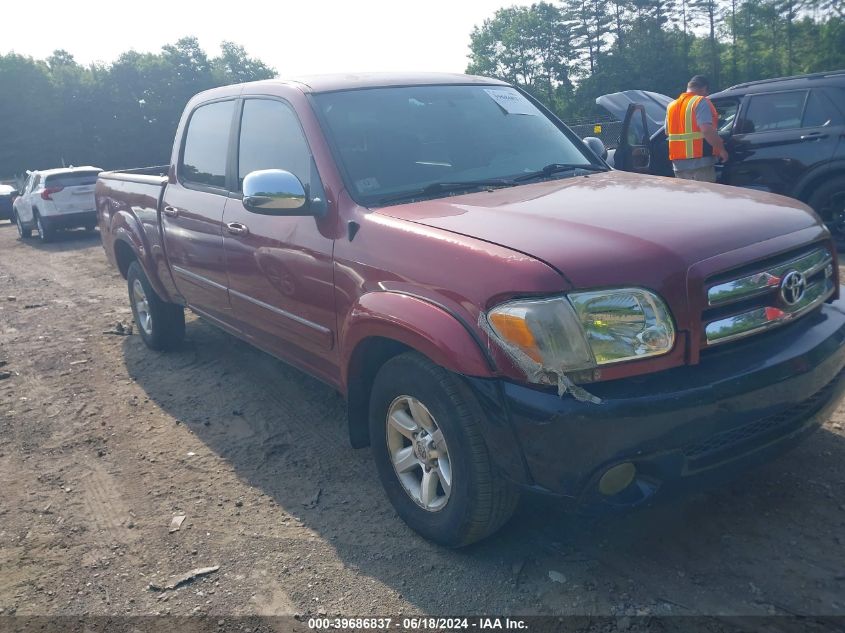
(274, 192)
(597, 146)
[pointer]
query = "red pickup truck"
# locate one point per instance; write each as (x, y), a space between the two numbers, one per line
(501, 311)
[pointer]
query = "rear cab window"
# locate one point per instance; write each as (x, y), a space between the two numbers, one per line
(206, 145)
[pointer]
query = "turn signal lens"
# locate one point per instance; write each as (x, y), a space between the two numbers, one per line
(547, 331)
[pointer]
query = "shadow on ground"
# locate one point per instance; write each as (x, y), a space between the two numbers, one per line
(769, 543)
(60, 240)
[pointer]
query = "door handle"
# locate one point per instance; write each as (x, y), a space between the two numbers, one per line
(812, 136)
(236, 228)
(170, 212)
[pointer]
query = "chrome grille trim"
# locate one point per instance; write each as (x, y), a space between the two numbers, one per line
(767, 280)
(767, 317)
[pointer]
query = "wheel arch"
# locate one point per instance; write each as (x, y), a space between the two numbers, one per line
(385, 324)
(809, 182)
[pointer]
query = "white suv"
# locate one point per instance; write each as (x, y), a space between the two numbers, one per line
(56, 199)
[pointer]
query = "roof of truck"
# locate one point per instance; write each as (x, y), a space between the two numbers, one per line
(354, 81)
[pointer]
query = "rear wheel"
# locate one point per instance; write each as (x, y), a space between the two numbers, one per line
(23, 233)
(829, 202)
(45, 234)
(430, 454)
(161, 324)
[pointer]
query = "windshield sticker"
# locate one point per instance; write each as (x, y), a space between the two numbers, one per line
(511, 101)
(367, 184)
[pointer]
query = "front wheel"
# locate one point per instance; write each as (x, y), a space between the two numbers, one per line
(430, 454)
(829, 202)
(23, 233)
(161, 324)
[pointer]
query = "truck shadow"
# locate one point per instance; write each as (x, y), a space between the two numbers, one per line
(64, 240)
(769, 543)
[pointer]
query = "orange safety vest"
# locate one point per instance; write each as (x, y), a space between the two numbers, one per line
(685, 137)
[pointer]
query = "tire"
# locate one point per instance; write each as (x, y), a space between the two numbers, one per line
(23, 233)
(45, 234)
(829, 202)
(479, 500)
(160, 324)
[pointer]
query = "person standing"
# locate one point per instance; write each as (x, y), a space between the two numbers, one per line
(692, 129)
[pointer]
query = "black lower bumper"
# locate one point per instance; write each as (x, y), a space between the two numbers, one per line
(69, 220)
(683, 428)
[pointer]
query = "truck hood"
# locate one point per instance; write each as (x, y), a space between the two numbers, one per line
(616, 228)
(655, 105)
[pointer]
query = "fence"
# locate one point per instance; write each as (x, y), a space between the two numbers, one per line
(605, 128)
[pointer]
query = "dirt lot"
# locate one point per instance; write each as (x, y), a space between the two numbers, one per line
(103, 442)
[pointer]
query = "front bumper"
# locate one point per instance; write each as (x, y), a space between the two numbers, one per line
(682, 428)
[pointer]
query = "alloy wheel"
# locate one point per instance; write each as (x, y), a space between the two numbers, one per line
(419, 453)
(142, 307)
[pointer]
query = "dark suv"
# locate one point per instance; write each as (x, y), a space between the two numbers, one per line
(784, 135)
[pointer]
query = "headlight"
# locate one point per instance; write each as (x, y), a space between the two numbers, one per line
(584, 329)
(624, 324)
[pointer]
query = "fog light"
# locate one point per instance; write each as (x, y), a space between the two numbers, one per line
(616, 479)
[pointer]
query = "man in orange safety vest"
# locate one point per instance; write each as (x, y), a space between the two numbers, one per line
(691, 127)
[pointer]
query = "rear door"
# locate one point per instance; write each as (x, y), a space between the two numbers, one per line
(72, 192)
(779, 136)
(192, 209)
(280, 267)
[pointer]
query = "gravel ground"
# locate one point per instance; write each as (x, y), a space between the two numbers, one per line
(103, 442)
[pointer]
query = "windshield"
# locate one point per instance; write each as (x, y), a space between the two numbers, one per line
(392, 141)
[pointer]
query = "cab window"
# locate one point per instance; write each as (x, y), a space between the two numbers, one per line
(206, 145)
(271, 138)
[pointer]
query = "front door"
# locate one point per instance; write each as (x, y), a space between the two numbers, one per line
(192, 210)
(779, 136)
(634, 151)
(280, 267)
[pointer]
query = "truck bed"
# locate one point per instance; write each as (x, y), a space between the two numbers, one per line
(156, 175)
(128, 206)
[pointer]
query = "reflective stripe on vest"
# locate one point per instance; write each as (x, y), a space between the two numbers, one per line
(686, 139)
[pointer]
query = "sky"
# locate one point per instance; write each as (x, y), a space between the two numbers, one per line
(295, 37)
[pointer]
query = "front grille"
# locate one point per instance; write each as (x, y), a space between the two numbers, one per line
(771, 294)
(736, 441)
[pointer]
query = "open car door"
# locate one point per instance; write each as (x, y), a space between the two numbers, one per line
(634, 151)
(617, 104)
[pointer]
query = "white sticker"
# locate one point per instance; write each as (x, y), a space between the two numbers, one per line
(511, 101)
(367, 184)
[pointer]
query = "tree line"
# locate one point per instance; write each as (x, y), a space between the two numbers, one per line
(569, 52)
(56, 112)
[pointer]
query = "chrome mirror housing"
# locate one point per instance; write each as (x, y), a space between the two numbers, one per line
(274, 192)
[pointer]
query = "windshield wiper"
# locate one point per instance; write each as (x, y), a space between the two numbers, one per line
(555, 168)
(446, 187)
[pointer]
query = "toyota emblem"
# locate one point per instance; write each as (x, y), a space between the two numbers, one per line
(792, 287)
